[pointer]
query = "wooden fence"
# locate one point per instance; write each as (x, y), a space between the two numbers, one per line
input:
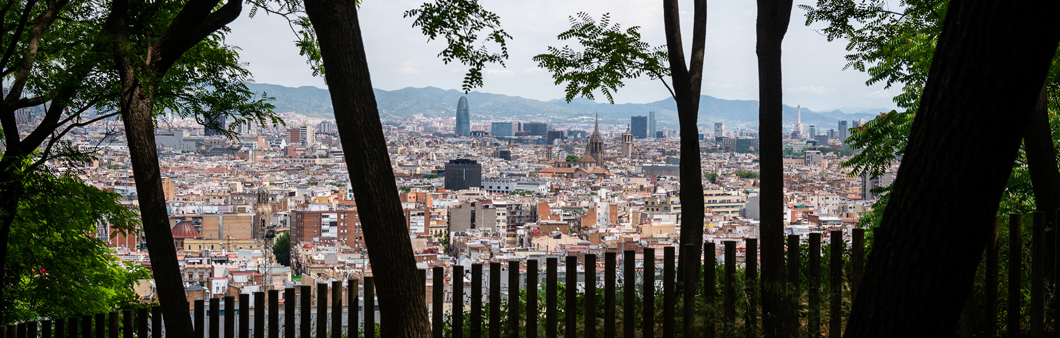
(466, 318)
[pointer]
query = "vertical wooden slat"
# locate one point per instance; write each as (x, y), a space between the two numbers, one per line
(421, 274)
(590, 295)
(458, 301)
(531, 299)
(813, 324)
(259, 314)
(437, 298)
(353, 308)
(795, 283)
(274, 314)
(230, 317)
(835, 268)
(12, 330)
(290, 303)
(513, 299)
(114, 330)
(476, 300)
(322, 310)
(369, 307)
(46, 327)
(141, 324)
(730, 288)
(648, 312)
(1015, 261)
(570, 311)
(629, 285)
(3, 331)
(31, 330)
(495, 300)
(215, 317)
(991, 284)
(336, 308)
(156, 322)
(710, 286)
(1038, 275)
(101, 325)
(751, 287)
(244, 315)
(20, 331)
(609, 294)
(688, 255)
(1055, 225)
(126, 325)
(86, 328)
(60, 329)
(551, 279)
(305, 322)
(669, 299)
(857, 260)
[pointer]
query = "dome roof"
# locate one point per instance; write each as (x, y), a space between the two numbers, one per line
(185, 229)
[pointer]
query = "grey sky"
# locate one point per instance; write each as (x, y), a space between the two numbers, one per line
(399, 55)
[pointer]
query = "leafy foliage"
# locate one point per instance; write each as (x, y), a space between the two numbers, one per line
(882, 141)
(460, 22)
(747, 174)
(282, 249)
(712, 177)
(609, 55)
(572, 158)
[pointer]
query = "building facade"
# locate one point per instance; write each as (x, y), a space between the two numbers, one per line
(463, 118)
(462, 174)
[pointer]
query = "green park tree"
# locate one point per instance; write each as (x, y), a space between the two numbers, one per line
(281, 248)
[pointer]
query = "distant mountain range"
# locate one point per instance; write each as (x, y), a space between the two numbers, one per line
(436, 102)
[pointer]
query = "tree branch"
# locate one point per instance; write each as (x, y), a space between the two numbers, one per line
(10, 50)
(194, 24)
(699, 41)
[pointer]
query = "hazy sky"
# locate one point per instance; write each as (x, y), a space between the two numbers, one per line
(399, 55)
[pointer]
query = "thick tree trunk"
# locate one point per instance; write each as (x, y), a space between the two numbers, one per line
(773, 19)
(402, 306)
(1045, 176)
(947, 190)
(136, 108)
(11, 194)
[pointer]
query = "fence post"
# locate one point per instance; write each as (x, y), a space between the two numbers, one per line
(531, 299)
(230, 317)
(274, 314)
(813, 323)
(126, 320)
(86, 328)
(513, 300)
(551, 278)
(688, 253)
(570, 328)
(156, 322)
(857, 260)
(648, 316)
(835, 268)
(730, 288)
(46, 327)
(458, 302)
(290, 303)
(476, 300)
(438, 293)
(795, 283)
(1015, 261)
(113, 332)
(422, 274)
(751, 287)
(629, 285)
(669, 299)
(495, 300)
(336, 309)
(990, 303)
(1038, 275)
(60, 329)
(12, 330)
(590, 295)
(710, 286)
(259, 314)
(20, 330)
(101, 325)
(215, 317)
(306, 320)
(609, 294)
(369, 307)
(244, 315)
(353, 307)
(322, 310)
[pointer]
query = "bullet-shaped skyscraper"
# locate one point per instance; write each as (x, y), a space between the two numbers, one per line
(463, 118)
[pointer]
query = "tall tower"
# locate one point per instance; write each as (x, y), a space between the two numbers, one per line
(627, 144)
(262, 211)
(595, 148)
(651, 125)
(798, 121)
(463, 118)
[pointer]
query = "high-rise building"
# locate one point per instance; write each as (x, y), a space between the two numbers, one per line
(844, 130)
(215, 125)
(308, 135)
(639, 126)
(554, 135)
(341, 225)
(461, 174)
(463, 118)
(327, 127)
(719, 130)
(536, 128)
(798, 122)
(651, 125)
(501, 129)
(813, 132)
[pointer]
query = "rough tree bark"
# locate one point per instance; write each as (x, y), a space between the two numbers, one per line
(402, 306)
(195, 22)
(991, 57)
(773, 18)
(687, 84)
(1042, 166)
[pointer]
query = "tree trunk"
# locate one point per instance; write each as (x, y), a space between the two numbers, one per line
(12, 192)
(1045, 176)
(402, 306)
(773, 18)
(947, 190)
(136, 106)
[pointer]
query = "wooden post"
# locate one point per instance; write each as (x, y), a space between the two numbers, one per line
(20, 330)
(551, 279)
(730, 288)
(751, 287)
(322, 310)
(437, 300)
(648, 314)
(513, 299)
(46, 327)
(215, 317)
(230, 317)
(113, 332)
(60, 329)
(590, 295)
(458, 302)
(531, 299)
(990, 289)
(495, 300)
(156, 322)
(369, 307)
(101, 325)
(127, 325)
(857, 260)
(669, 298)
(1015, 262)
(353, 308)
(629, 279)
(689, 253)
(306, 318)
(794, 282)
(259, 314)
(710, 286)
(813, 324)
(1038, 275)
(835, 267)
(571, 310)
(422, 274)
(476, 300)
(290, 303)
(274, 314)
(609, 294)
(86, 327)
(336, 309)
